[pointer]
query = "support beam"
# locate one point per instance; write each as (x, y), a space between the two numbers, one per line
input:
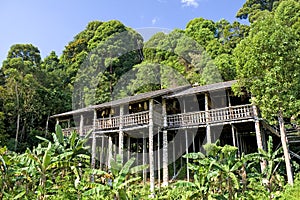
(81, 125)
(258, 136)
(208, 131)
(158, 158)
(109, 152)
(187, 151)
(186, 145)
(93, 159)
(121, 133)
(144, 157)
(165, 145)
(151, 153)
(174, 161)
(233, 135)
(128, 147)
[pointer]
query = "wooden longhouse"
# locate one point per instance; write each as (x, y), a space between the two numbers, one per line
(159, 127)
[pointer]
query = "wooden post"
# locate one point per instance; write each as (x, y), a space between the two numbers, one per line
(186, 144)
(151, 154)
(165, 145)
(102, 152)
(158, 157)
(144, 157)
(69, 123)
(109, 156)
(258, 136)
(208, 131)
(93, 159)
(81, 125)
(285, 148)
(174, 163)
(121, 133)
(233, 135)
(187, 151)
(128, 147)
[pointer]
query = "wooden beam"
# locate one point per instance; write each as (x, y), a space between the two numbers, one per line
(151, 152)
(121, 133)
(109, 152)
(144, 157)
(258, 136)
(165, 145)
(174, 163)
(81, 124)
(208, 131)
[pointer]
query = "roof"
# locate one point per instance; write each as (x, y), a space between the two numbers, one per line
(204, 88)
(167, 93)
(130, 99)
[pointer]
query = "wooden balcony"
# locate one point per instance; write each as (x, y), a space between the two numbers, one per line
(233, 113)
(214, 116)
(135, 119)
(85, 130)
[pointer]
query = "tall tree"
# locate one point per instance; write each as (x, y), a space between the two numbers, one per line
(268, 65)
(253, 7)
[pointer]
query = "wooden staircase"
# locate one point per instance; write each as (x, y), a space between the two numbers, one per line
(292, 133)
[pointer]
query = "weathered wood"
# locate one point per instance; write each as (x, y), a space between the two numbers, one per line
(207, 116)
(258, 136)
(165, 145)
(174, 158)
(81, 125)
(186, 144)
(109, 152)
(151, 153)
(121, 133)
(144, 157)
(285, 149)
(158, 158)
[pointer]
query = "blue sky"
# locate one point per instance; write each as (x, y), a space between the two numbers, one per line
(51, 24)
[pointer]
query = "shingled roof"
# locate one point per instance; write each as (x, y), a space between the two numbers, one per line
(202, 89)
(130, 99)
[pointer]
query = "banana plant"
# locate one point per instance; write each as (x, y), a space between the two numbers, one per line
(117, 181)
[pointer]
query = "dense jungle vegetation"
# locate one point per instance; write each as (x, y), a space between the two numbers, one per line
(263, 56)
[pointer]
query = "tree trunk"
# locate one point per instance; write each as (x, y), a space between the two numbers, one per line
(285, 148)
(18, 117)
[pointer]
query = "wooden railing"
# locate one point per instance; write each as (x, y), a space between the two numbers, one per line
(230, 113)
(134, 119)
(184, 119)
(108, 123)
(85, 130)
(211, 116)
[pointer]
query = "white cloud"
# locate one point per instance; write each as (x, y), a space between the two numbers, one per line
(193, 3)
(154, 20)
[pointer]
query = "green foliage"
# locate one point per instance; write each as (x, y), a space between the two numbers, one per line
(268, 63)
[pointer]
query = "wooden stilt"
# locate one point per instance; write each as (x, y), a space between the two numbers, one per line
(174, 161)
(187, 151)
(151, 153)
(158, 157)
(258, 136)
(100, 151)
(208, 131)
(109, 152)
(121, 133)
(233, 135)
(93, 159)
(186, 145)
(165, 145)
(144, 157)
(81, 124)
(128, 147)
